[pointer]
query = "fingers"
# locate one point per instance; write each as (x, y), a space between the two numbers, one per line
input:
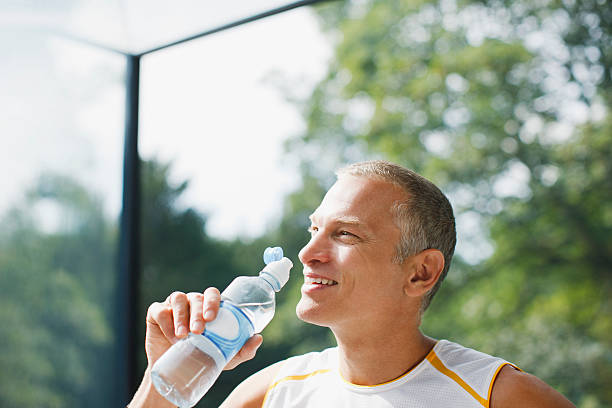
(212, 298)
(247, 352)
(196, 311)
(249, 349)
(180, 313)
(159, 316)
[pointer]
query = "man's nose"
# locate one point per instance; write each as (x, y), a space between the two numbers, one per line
(316, 250)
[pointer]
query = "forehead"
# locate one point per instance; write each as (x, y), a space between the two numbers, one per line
(368, 200)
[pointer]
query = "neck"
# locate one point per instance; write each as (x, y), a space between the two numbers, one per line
(371, 357)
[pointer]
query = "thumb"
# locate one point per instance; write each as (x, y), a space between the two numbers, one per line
(246, 353)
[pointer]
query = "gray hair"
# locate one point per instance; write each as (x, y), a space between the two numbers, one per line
(425, 219)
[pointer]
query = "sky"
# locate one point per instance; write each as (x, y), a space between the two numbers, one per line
(214, 108)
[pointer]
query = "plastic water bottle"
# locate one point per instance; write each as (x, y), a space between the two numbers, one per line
(191, 366)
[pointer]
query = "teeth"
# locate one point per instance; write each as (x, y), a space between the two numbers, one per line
(328, 282)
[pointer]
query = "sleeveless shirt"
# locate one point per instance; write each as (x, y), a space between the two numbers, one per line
(449, 376)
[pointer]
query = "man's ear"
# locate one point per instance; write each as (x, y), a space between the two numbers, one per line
(425, 272)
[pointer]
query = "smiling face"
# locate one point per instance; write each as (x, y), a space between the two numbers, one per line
(349, 273)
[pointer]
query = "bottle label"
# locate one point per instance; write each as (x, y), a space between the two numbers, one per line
(230, 330)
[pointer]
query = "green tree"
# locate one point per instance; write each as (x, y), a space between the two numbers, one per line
(55, 287)
(505, 106)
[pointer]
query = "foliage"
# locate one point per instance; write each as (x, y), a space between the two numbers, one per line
(505, 106)
(54, 291)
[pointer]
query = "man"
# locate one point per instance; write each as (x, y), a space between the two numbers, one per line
(381, 243)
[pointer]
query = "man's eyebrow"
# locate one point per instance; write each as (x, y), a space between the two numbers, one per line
(348, 220)
(341, 220)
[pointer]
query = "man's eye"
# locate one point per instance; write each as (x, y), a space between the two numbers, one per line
(312, 229)
(346, 234)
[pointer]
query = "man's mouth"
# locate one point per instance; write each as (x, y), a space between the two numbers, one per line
(320, 281)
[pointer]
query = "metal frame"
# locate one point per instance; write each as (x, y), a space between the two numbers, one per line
(128, 344)
(129, 243)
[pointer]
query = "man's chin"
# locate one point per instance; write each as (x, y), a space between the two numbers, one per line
(310, 313)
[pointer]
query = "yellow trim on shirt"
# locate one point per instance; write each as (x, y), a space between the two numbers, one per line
(432, 357)
(493, 380)
(300, 377)
(437, 363)
(292, 378)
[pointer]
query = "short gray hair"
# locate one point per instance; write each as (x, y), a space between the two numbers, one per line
(425, 219)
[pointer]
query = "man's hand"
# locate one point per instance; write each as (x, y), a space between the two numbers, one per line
(172, 320)
(181, 313)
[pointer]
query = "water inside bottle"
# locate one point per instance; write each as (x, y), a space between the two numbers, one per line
(184, 383)
(259, 314)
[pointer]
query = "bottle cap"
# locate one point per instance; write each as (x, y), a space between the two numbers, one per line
(277, 266)
(272, 254)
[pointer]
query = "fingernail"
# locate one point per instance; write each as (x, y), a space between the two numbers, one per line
(181, 331)
(208, 315)
(197, 327)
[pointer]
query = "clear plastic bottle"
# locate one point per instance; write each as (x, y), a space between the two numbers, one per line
(191, 366)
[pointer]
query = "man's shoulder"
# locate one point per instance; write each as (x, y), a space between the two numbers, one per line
(471, 370)
(457, 350)
(467, 361)
(508, 385)
(515, 388)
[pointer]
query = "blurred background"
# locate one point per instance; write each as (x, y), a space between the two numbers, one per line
(503, 104)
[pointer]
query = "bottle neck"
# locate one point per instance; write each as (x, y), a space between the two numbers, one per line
(270, 280)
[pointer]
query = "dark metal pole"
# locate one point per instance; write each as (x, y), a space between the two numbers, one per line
(128, 320)
(129, 245)
(268, 13)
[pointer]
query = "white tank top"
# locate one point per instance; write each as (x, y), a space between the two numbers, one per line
(449, 376)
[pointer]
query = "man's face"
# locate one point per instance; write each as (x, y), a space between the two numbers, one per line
(349, 273)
